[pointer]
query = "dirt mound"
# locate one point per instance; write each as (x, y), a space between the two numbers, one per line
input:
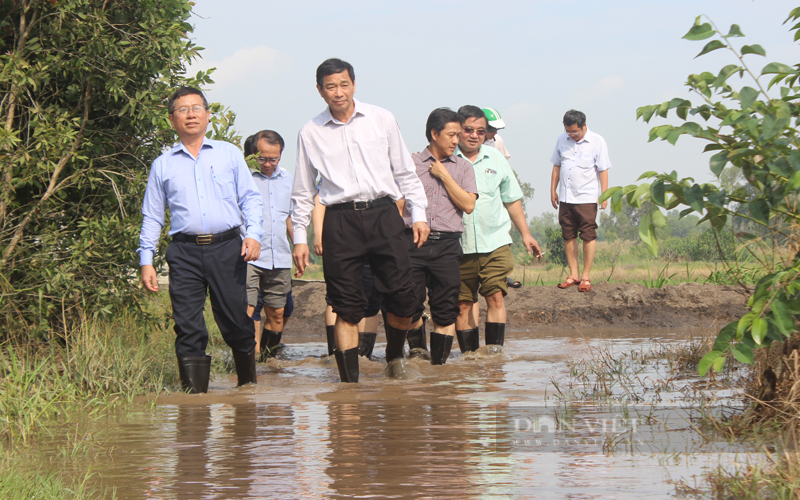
(607, 305)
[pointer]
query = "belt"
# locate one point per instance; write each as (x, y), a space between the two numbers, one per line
(206, 239)
(361, 205)
(436, 235)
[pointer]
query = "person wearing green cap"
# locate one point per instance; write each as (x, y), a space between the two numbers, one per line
(494, 123)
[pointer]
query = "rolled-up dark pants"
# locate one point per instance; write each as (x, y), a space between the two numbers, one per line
(219, 270)
(352, 238)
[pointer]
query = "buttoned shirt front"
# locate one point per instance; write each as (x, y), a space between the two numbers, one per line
(581, 163)
(487, 228)
(205, 195)
(363, 159)
(442, 214)
(276, 193)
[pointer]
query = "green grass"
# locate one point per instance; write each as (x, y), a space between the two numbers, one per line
(18, 481)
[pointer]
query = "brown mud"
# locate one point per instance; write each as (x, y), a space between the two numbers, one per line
(607, 305)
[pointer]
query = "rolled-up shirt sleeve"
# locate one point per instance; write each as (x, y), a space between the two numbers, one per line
(405, 174)
(250, 202)
(153, 217)
(303, 192)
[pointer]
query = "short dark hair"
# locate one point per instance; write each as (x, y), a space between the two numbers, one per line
(249, 145)
(469, 111)
(270, 136)
(333, 66)
(184, 91)
(573, 117)
(438, 120)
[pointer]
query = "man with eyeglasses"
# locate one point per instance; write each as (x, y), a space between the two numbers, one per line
(364, 167)
(270, 276)
(580, 174)
(209, 190)
(486, 241)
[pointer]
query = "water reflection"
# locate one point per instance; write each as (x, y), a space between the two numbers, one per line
(459, 432)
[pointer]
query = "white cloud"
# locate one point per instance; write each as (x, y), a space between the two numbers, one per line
(250, 64)
(604, 87)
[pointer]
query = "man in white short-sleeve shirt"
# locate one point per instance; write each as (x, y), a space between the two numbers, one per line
(580, 174)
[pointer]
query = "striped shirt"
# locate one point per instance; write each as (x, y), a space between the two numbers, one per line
(442, 214)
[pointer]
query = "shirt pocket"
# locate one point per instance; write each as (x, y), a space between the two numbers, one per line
(224, 184)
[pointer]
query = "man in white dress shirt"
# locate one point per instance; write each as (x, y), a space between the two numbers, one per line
(580, 175)
(364, 167)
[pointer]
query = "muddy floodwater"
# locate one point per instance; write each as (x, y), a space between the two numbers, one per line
(481, 426)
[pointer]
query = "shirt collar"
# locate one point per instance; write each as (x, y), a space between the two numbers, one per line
(585, 137)
(427, 155)
(481, 153)
(359, 109)
(180, 147)
(277, 173)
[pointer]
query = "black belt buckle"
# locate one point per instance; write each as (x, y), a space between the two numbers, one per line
(204, 239)
(360, 205)
(435, 235)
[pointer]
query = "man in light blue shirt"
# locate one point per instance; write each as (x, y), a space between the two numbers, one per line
(271, 274)
(487, 259)
(208, 189)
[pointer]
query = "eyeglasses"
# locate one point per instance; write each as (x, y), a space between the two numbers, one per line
(264, 161)
(195, 109)
(573, 134)
(470, 131)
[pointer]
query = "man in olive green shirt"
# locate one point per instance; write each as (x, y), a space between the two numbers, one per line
(487, 259)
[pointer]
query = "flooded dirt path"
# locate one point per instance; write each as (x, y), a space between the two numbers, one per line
(477, 427)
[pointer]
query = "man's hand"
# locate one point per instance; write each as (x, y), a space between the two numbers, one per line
(251, 249)
(318, 245)
(421, 232)
(149, 278)
(438, 170)
(532, 246)
(300, 256)
(604, 205)
(554, 199)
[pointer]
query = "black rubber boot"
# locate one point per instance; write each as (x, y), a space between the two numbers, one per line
(270, 341)
(440, 348)
(347, 361)
(417, 343)
(245, 367)
(495, 333)
(366, 343)
(330, 333)
(468, 340)
(194, 373)
(395, 342)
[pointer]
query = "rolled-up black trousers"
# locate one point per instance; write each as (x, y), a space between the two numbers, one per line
(220, 271)
(351, 238)
(436, 266)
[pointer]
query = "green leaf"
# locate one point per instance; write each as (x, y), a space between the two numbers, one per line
(734, 31)
(608, 193)
(644, 229)
(700, 32)
(724, 74)
(710, 47)
(707, 361)
(794, 182)
(758, 330)
(718, 161)
(657, 193)
(759, 210)
(747, 96)
(782, 318)
(640, 191)
(646, 175)
(754, 49)
(777, 68)
(694, 197)
(742, 353)
(657, 217)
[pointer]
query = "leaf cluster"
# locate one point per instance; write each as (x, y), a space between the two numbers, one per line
(84, 86)
(751, 128)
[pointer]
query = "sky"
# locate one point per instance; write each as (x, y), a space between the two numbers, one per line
(531, 60)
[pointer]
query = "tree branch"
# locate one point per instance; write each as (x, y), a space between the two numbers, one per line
(52, 188)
